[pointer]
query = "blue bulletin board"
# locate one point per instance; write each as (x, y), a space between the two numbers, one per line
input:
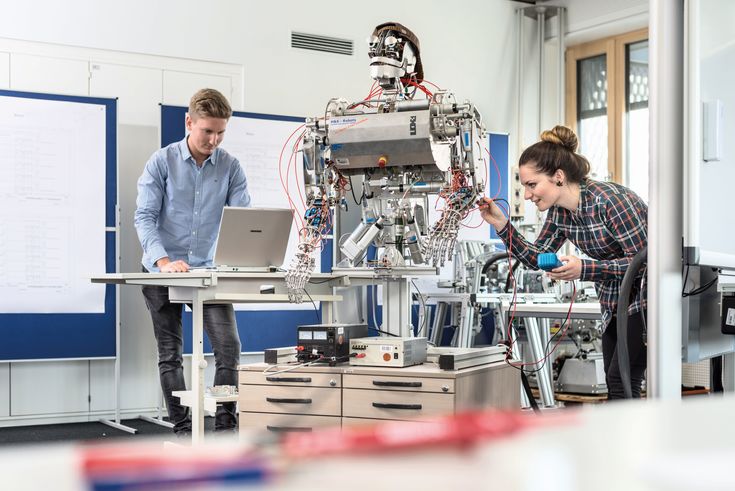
(68, 335)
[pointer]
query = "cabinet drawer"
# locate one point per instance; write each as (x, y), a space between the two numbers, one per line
(391, 404)
(285, 423)
(291, 378)
(294, 400)
(368, 421)
(403, 383)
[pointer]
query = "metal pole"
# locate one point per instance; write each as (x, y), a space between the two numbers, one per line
(519, 80)
(541, 25)
(535, 342)
(562, 66)
(665, 185)
(437, 329)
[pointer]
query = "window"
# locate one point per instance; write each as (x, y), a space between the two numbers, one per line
(636, 118)
(607, 106)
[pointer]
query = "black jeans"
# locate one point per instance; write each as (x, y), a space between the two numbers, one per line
(637, 354)
(221, 328)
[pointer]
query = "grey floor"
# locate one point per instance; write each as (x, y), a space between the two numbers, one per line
(92, 431)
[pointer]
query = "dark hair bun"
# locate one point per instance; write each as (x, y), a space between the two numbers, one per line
(561, 135)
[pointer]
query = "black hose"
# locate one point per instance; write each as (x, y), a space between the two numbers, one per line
(492, 260)
(622, 319)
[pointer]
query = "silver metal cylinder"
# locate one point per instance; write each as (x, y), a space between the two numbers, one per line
(357, 233)
(414, 105)
(437, 109)
(422, 187)
(370, 234)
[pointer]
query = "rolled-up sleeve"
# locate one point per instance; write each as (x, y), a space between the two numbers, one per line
(151, 189)
(237, 193)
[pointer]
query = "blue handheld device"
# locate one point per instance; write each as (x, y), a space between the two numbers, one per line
(548, 261)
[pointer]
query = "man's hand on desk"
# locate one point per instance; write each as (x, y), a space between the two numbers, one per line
(168, 266)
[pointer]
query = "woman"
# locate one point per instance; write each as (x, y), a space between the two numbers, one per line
(606, 221)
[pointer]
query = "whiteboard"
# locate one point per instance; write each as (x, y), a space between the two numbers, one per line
(709, 236)
(52, 205)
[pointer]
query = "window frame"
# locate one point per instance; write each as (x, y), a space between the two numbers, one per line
(614, 50)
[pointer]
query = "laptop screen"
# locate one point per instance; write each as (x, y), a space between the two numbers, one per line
(252, 237)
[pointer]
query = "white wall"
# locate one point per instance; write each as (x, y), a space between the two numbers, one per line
(160, 51)
(588, 20)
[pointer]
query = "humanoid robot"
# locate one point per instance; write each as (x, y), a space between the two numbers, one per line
(404, 143)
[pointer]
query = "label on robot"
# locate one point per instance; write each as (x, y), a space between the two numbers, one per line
(342, 121)
(340, 330)
(386, 347)
(730, 319)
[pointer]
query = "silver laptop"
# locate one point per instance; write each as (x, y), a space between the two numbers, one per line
(252, 239)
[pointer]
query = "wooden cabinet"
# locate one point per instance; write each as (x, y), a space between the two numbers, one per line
(302, 399)
(298, 400)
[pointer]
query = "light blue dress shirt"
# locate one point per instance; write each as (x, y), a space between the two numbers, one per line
(180, 204)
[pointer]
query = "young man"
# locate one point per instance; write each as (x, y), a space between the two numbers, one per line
(181, 194)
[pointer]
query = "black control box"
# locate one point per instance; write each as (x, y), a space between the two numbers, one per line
(329, 343)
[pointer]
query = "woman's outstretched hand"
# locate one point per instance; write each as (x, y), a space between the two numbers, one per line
(492, 213)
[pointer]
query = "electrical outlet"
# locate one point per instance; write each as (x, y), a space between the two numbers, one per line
(517, 209)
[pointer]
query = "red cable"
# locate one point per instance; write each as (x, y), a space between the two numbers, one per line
(432, 84)
(497, 169)
(292, 205)
(566, 324)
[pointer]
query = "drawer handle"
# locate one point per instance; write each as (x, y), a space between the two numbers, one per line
(288, 401)
(383, 405)
(304, 380)
(381, 383)
(279, 429)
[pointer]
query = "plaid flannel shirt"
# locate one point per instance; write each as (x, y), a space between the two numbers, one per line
(610, 226)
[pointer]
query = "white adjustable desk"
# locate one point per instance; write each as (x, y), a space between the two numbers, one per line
(211, 287)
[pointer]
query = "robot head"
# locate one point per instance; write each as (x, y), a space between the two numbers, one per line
(394, 53)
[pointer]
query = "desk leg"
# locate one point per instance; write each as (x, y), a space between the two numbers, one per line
(198, 364)
(327, 313)
(535, 341)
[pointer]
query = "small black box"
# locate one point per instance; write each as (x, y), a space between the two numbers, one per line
(728, 314)
(327, 342)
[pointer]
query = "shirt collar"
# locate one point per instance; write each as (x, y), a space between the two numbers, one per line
(582, 196)
(186, 154)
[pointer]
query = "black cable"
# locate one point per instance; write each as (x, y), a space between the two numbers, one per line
(352, 191)
(384, 332)
(314, 282)
(529, 393)
(316, 311)
(701, 289)
(545, 351)
(426, 313)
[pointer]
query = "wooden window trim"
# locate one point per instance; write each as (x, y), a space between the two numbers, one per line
(614, 49)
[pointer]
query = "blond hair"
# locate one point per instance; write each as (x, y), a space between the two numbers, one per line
(209, 103)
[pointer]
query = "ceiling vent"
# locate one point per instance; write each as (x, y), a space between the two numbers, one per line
(315, 42)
